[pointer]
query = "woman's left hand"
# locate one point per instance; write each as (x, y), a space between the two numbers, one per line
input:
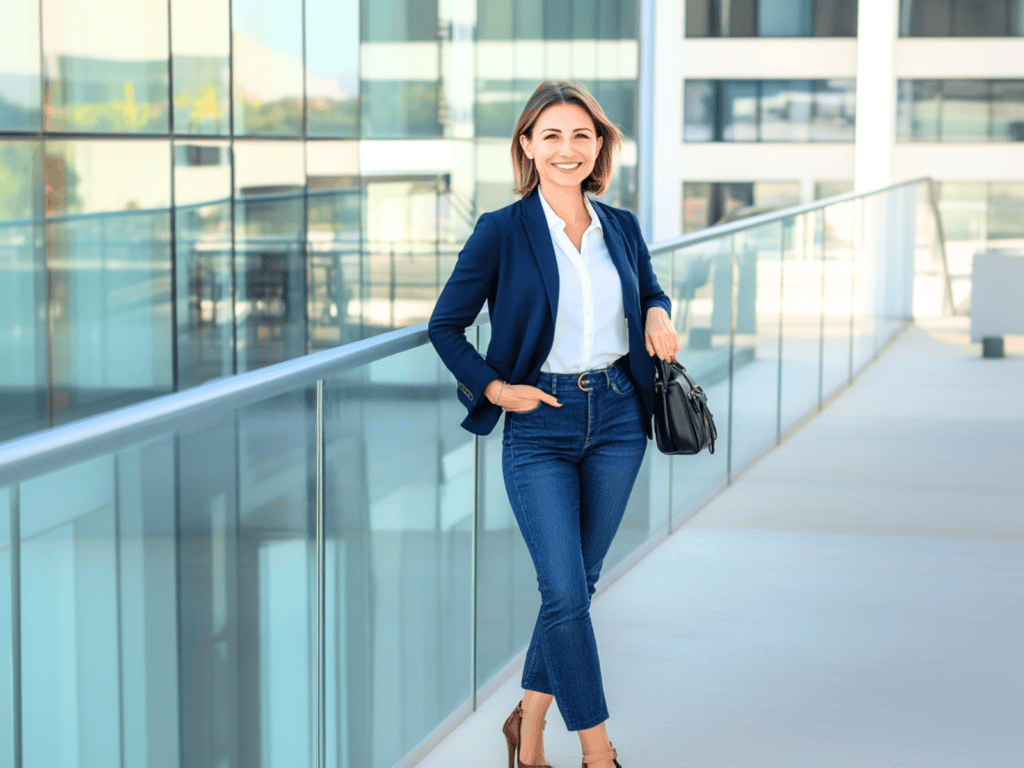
(660, 334)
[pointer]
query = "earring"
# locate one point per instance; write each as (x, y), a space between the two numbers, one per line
(529, 157)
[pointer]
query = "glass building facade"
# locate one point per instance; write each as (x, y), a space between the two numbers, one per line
(192, 190)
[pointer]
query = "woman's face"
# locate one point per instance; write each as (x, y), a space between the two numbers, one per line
(564, 145)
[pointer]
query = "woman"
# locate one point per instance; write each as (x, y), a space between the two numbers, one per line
(569, 286)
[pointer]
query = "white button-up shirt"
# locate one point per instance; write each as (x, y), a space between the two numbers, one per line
(590, 325)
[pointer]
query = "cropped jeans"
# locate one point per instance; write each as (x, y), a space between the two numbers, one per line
(569, 472)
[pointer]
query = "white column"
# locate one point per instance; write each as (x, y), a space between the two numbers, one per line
(667, 172)
(876, 93)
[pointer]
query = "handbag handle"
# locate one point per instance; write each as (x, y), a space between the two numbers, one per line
(663, 372)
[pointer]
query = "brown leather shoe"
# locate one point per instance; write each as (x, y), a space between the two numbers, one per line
(511, 730)
(597, 757)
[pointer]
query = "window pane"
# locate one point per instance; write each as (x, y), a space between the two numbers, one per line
(334, 243)
(332, 67)
(23, 345)
(701, 19)
(1006, 214)
(965, 110)
(201, 40)
(616, 19)
(740, 18)
(584, 19)
(106, 66)
(108, 252)
(785, 110)
(979, 18)
(19, 68)
(494, 19)
(267, 67)
(205, 316)
(529, 21)
(618, 100)
(835, 18)
(1008, 110)
(834, 110)
(400, 109)
(918, 109)
(699, 110)
(497, 108)
(557, 19)
(270, 270)
(927, 18)
(388, 21)
(696, 205)
(739, 110)
(784, 18)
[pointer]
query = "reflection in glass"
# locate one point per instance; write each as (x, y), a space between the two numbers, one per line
(739, 110)
(389, 21)
(1008, 110)
(332, 67)
(267, 67)
(757, 295)
(108, 253)
(199, 57)
(1006, 214)
(270, 270)
(23, 336)
(398, 553)
(961, 18)
(833, 114)
(400, 109)
(965, 110)
(334, 244)
(784, 18)
(785, 110)
(205, 301)
(917, 109)
(19, 68)
(105, 66)
(801, 317)
(699, 110)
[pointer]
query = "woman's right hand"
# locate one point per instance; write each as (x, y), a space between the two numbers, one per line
(518, 397)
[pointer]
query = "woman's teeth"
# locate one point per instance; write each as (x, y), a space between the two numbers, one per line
(569, 167)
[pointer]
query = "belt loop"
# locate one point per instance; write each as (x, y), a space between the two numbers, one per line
(554, 384)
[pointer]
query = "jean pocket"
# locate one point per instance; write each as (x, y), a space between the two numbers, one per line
(622, 385)
(532, 410)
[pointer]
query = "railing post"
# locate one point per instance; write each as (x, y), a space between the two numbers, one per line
(320, 684)
(14, 492)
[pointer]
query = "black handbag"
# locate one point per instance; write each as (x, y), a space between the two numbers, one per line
(683, 425)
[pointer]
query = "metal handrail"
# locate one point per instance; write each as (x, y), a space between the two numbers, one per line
(749, 222)
(61, 446)
(57, 447)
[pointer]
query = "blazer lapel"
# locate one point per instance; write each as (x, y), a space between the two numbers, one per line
(617, 251)
(537, 231)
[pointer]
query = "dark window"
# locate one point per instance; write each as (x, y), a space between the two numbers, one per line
(1008, 110)
(388, 21)
(771, 18)
(961, 18)
(917, 109)
(699, 110)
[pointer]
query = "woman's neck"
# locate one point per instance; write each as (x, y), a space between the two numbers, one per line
(566, 202)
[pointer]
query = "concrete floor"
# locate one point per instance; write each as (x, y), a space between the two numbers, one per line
(856, 598)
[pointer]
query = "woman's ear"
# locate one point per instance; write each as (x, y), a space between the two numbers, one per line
(525, 144)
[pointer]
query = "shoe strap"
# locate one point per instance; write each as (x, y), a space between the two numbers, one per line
(597, 757)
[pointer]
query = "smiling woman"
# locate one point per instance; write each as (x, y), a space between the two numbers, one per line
(576, 315)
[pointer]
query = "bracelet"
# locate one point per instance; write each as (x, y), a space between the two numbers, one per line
(497, 397)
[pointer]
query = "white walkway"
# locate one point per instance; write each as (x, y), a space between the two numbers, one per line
(856, 599)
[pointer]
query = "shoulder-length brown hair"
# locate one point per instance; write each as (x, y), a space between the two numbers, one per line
(563, 92)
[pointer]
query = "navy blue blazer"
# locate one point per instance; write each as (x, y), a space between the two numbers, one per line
(509, 262)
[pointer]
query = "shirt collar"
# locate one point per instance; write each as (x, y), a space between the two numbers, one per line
(556, 223)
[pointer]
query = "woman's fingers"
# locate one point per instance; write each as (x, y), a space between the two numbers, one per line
(548, 398)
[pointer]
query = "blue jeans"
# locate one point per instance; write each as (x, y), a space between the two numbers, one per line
(569, 472)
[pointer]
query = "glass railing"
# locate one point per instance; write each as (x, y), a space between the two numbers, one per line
(312, 564)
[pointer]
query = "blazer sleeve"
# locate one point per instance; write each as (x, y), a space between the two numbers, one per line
(651, 294)
(472, 282)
